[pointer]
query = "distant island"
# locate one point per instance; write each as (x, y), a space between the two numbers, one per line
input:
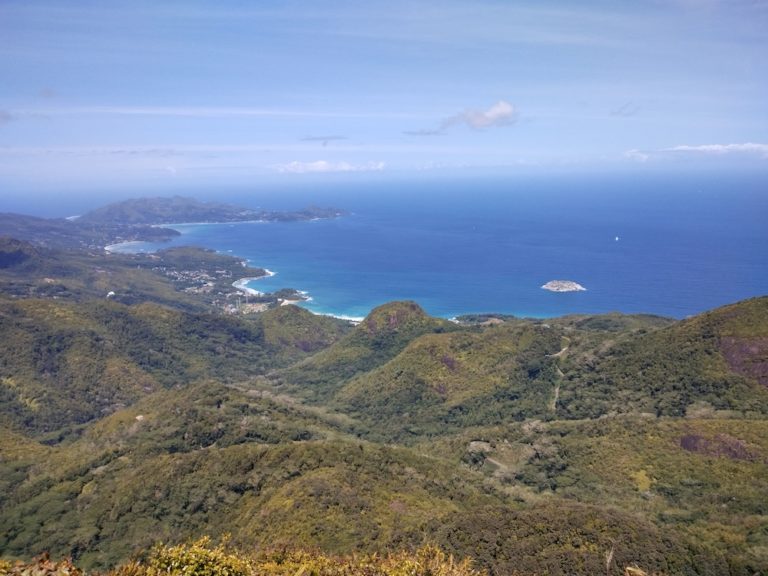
(142, 219)
(563, 286)
(178, 209)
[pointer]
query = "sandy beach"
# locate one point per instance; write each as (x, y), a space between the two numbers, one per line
(242, 283)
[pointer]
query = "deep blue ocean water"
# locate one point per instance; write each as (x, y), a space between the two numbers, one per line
(685, 244)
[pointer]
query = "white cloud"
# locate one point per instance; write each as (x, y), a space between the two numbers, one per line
(719, 149)
(296, 167)
(500, 114)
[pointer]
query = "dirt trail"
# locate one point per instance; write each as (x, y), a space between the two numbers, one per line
(555, 398)
(560, 375)
(563, 351)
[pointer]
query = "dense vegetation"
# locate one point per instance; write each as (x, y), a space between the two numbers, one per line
(576, 445)
(65, 364)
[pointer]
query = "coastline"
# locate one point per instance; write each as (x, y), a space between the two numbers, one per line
(520, 294)
(136, 246)
(242, 283)
(125, 247)
(353, 319)
(172, 225)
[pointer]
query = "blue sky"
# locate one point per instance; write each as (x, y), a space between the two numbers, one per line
(153, 93)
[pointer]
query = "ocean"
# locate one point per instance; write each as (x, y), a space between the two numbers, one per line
(667, 245)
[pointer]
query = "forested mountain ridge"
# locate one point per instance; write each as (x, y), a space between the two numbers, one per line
(529, 446)
(449, 377)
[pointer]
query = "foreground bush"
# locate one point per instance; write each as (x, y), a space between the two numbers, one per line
(198, 558)
(201, 558)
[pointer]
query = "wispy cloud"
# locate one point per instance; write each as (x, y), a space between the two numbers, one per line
(324, 166)
(500, 114)
(720, 149)
(200, 112)
(5, 117)
(743, 149)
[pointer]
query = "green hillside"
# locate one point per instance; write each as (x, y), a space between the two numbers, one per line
(529, 446)
(65, 364)
(715, 362)
(385, 332)
(702, 480)
(441, 382)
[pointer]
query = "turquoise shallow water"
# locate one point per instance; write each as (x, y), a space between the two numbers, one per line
(673, 247)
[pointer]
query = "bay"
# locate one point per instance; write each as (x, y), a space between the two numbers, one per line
(667, 245)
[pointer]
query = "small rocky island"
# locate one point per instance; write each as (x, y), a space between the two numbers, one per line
(563, 286)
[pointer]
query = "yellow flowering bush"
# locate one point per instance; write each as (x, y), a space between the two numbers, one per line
(198, 558)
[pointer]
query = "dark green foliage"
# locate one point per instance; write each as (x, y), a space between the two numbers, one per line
(535, 446)
(15, 252)
(297, 332)
(340, 495)
(613, 322)
(666, 372)
(708, 493)
(65, 364)
(564, 538)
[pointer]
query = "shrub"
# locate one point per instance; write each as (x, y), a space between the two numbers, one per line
(197, 558)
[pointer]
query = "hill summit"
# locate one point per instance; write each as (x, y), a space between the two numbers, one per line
(394, 317)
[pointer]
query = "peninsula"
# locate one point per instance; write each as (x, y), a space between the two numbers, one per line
(141, 219)
(563, 286)
(177, 209)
